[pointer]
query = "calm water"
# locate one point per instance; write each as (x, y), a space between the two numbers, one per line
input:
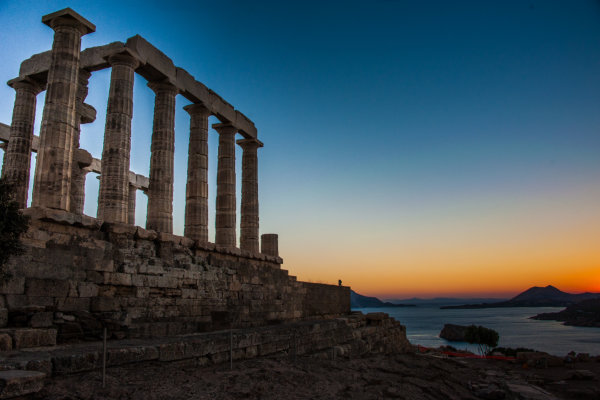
(424, 323)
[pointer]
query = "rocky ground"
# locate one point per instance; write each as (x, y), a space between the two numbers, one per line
(402, 376)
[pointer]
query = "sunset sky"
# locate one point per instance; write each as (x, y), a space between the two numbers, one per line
(412, 148)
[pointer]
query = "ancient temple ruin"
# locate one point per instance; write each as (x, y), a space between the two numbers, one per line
(62, 166)
(83, 276)
(141, 281)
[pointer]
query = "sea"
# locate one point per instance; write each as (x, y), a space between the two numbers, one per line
(424, 323)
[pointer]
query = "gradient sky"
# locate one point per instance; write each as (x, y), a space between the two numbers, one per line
(412, 148)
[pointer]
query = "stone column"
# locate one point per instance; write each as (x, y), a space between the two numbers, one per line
(78, 173)
(160, 188)
(52, 185)
(269, 244)
(196, 193)
(225, 218)
(131, 205)
(249, 219)
(114, 179)
(17, 158)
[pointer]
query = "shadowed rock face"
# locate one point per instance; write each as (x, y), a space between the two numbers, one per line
(584, 313)
(453, 333)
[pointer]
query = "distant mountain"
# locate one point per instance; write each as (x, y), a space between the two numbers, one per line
(583, 313)
(444, 301)
(360, 301)
(548, 296)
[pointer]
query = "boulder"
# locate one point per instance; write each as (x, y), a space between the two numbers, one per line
(453, 333)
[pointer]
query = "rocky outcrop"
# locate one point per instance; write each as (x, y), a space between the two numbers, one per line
(453, 333)
(584, 313)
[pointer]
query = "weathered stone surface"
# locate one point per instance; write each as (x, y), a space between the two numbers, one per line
(26, 338)
(41, 320)
(249, 206)
(52, 183)
(128, 355)
(3, 317)
(453, 333)
(17, 159)
(269, 244)
(5, 342)
(47, 287)
(156, 66)
(65, 362)
(196, 204)
(160, 190)
(12, 285)
(16, 383)
(226, 203)
(114, 181)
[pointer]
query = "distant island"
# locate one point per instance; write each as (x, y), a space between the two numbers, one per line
(583, 313)
(360, 301)
(548, 296)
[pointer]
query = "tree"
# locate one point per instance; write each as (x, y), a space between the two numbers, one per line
(12, 224)
(485, 338)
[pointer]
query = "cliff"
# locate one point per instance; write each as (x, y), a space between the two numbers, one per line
(584, 313)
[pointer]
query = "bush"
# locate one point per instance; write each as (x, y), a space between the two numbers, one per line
(12, 224)
(485, 338)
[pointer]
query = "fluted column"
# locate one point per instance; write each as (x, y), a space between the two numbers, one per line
(78, 173)
(196, 191)
(225, 218)
(131, 205)
(52, 185)
(160, 188)
(17, 158)
(249, 208)
(114, 179)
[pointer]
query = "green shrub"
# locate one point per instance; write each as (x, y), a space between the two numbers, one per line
(12, 224)
(485, 338)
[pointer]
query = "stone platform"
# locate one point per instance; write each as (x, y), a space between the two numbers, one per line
(348, 336)
(79, 275)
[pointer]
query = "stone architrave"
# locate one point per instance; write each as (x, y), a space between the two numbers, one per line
(78, 173)
(160, 188)
(249, 206)
(225, 218)
(196, 199)
(114, 179)
(131, 205)
(17, 159)
(52, 184)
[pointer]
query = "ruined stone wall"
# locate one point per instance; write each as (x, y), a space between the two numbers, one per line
(79, 275)
(351, 336)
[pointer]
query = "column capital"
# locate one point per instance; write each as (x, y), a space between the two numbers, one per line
(124, 56)
(26, 83)
(251, 143)
(84, 76)
(197, 109)
(68, 17)
(225, 128)
(162, 86)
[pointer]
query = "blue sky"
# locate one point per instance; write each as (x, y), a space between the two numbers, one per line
(390, 127)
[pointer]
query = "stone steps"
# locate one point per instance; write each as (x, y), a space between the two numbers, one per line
(24, 338)
(16, 383)
(301, 338)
